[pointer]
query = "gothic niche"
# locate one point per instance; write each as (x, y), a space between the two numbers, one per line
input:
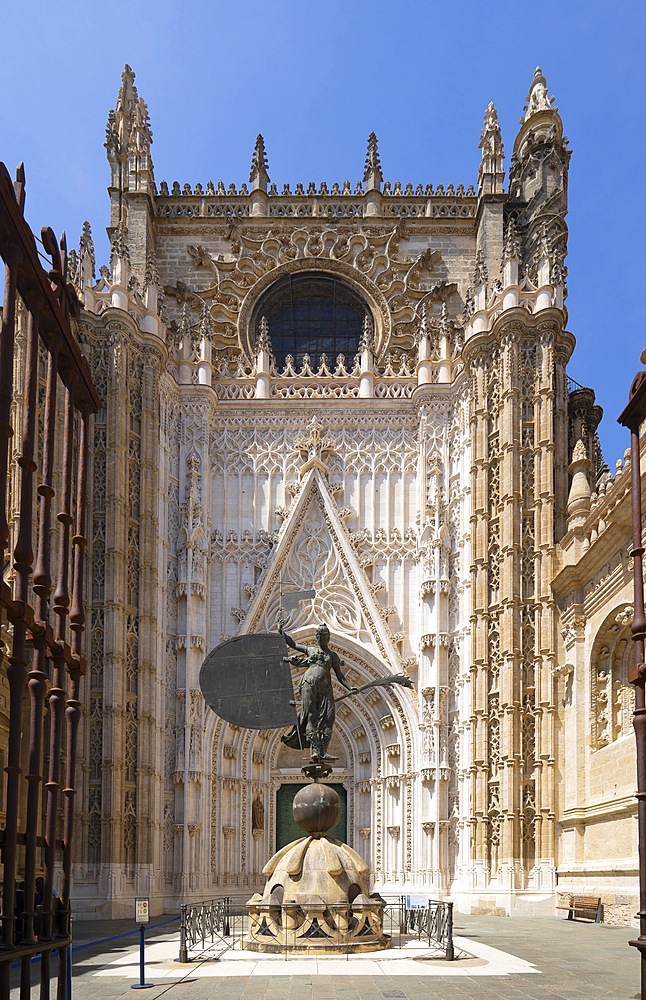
(311, 313)
(613, 697)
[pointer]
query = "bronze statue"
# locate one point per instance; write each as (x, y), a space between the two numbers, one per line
(316, 716)
(317, 709)
(246, 680)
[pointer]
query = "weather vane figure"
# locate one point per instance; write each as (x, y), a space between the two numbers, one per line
(247, 681)
(317, 712)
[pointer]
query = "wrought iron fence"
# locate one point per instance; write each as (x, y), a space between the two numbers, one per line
(573, 386)
(216, 925)
(434, 922)
(41, 593)
(209, 920)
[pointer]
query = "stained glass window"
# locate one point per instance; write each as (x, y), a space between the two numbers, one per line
(312, 314)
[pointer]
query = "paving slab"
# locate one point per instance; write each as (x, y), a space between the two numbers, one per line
(538, 958)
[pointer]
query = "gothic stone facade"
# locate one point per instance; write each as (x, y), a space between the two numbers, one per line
(417, 480)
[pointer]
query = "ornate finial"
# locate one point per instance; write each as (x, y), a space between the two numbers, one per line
(491, 170)
(490, 137)
(423, 328)
(480, 275)
(314, 447)
(199, 335)
(120, 119)
(264, 343)
(372, 173)
(141, 137)
(119, 249)
(151, 276)
(183, 330)
(469, 306)
(544, 248)
(445, 324)
(367, 339)
(86, 259)
(537, 99)
(153, 289)
(511, 243)
(128, 91)
(205, 323)
(112, 134)
(259, 166)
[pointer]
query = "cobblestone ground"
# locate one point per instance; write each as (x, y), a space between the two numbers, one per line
(571, 960)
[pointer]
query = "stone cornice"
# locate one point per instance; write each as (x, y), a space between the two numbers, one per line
(581, 815)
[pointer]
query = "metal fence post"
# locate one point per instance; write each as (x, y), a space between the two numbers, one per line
(450, 950)
(183, 951)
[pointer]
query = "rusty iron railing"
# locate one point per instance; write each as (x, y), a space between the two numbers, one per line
(41, 592)
(633, 417)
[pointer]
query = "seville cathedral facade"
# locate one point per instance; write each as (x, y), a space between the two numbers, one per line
(358, 389)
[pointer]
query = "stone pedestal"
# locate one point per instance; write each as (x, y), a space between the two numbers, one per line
(317, 897)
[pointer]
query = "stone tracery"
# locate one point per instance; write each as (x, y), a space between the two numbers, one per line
(422, 517)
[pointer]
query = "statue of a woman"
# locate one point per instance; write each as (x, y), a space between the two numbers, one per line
(316, 714)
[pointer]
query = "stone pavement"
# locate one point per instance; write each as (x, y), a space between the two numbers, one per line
(541, 957)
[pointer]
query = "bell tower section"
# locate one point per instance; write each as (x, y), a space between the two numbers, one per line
(516, 351)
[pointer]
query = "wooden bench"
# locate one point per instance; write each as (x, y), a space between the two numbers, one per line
(584, 906)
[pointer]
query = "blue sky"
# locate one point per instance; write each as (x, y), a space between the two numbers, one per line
(315, 78)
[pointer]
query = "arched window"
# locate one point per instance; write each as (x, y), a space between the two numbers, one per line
(312, 313)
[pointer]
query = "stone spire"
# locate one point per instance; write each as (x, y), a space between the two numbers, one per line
(538, 179)
(86, 258)
(259, 177)
(129, 137)
(537, 99)
(491, 171)
(372, 173)
(132, 182)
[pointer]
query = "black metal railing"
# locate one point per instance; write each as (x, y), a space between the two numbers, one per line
(209, 920)
(216, 925)
(435, 923)
(572, 386)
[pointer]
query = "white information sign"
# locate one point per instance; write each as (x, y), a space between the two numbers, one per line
(142, 910)
(416, 902)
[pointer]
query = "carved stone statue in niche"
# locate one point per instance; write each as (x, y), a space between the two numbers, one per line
(257, 814)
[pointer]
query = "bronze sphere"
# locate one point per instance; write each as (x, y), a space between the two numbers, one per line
(317, 808)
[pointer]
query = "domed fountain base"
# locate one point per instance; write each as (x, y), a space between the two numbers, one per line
(317, 898)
